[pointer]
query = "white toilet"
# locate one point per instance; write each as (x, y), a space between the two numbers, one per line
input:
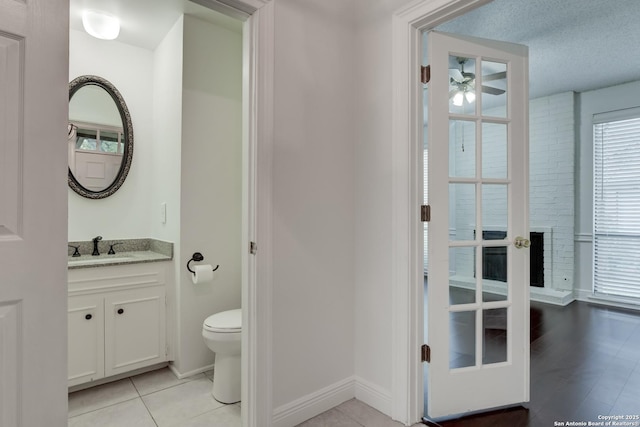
(222, 333)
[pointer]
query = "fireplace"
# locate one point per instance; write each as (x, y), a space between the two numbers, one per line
(494, 259)
(536, 259)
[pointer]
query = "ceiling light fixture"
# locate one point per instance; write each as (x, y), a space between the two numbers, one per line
(100, 25)
(463, 93)
(458, 99)
(470, 97)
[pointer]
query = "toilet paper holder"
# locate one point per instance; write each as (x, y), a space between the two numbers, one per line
(197, 256)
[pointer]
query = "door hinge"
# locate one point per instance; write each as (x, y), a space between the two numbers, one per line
(425, 74)
(253, 248)
(425, 353)
(425, 213)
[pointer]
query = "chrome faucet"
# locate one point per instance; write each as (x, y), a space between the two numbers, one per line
(95, 245)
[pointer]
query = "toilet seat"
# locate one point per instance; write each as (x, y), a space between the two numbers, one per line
(229, 321)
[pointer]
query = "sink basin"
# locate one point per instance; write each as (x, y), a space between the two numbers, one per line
(100, 260)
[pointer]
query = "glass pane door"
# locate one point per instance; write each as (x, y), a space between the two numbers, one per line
(477, 304)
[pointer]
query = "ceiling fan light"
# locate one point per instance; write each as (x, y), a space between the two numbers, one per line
(470, 97)
(100, 25)
(458, 99)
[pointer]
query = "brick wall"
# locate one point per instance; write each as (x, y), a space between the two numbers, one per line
(551, 184)
(552, 140)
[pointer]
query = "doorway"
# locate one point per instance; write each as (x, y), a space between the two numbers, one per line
(476, 327)
(256, 71)
(565, 284)
(185, 98)
(408, 25)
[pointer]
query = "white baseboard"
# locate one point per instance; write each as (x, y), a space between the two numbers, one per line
(329, 397)
(300, 410)
(588, 296)
(181, 375)
(373, 395)
(551, 296)
(548, 295)
(582, 295)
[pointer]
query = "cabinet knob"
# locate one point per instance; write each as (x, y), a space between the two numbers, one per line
(88, 317)
(120, 310)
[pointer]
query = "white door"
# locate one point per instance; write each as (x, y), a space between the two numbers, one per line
(33, 212)
(478, 277)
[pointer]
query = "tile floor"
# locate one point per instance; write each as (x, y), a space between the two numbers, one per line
(352, 413)
(159, 399)
(585, 361)
(153, 399)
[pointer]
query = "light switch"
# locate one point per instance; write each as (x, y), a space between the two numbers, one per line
(163, 212)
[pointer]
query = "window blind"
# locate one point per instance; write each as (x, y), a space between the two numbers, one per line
(616, 214)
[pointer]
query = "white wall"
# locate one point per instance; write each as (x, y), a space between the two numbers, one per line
(210, 181)
(590, 103)
(313, 201)
(92, 104)
(167, 132)
(167, 138)
(373, 177)
(130, 69)
(551, 188)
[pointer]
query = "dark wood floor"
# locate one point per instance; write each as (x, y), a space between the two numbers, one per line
(585, 363)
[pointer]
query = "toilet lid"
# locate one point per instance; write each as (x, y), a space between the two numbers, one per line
(225, 321)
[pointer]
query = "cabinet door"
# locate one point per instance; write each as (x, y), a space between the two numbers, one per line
(86, 339)
(134, 329)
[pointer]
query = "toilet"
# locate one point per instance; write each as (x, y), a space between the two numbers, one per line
(222, 334)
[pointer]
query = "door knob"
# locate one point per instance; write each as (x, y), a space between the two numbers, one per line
(520, 242)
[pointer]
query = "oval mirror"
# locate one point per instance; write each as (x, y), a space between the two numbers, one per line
(100, 141)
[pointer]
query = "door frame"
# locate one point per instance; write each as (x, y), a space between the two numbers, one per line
(257, 144)
(408, 23)
(257, 118)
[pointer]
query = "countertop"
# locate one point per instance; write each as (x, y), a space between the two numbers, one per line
(134, 257)
(134, 251)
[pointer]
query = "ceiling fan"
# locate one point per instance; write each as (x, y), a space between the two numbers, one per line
(463, 84)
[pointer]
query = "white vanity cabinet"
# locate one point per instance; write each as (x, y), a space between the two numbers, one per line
(117, 320)
(86, 338)
(134, 329)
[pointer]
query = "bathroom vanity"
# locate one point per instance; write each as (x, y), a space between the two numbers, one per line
(116, 314)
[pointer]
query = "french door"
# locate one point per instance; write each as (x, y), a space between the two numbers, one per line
(477, 309)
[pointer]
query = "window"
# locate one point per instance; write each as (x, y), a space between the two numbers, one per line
(100, 139)
(616, 201)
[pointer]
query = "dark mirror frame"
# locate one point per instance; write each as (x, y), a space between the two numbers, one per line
(74, 86)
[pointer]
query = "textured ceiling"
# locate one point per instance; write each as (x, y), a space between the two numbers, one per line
(574, 45)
